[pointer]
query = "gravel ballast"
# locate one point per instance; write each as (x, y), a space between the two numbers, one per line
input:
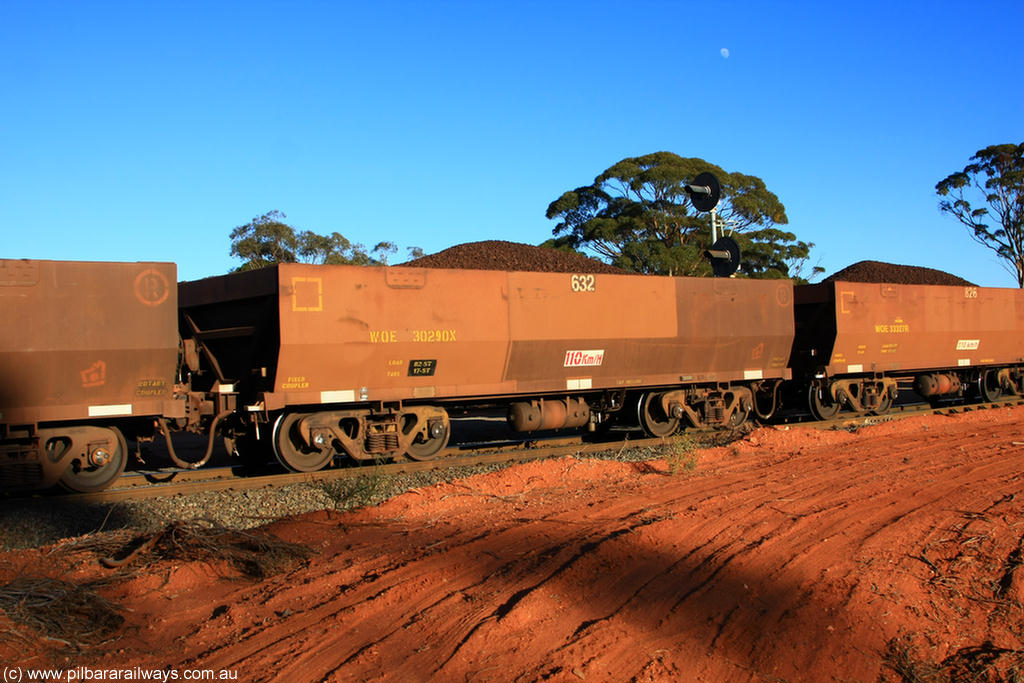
(42, 521)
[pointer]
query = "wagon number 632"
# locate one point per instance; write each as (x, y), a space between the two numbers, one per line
(583, 283)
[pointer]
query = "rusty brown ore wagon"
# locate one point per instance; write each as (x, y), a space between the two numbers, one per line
(367, 362)
(319, 362)
(857, 343)
(87, 358)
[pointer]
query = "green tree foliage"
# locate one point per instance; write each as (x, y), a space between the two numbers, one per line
(637, 216)
(267, 240)
(994, 181)
(264, 241)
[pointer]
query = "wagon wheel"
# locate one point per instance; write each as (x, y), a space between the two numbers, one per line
(884, 403)
(427, 447)
(652, 417)
(988, 385)
(822, 406)
(738, 417)
(290, 450)
(98, 470)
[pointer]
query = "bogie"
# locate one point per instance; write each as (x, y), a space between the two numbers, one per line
(307, 442)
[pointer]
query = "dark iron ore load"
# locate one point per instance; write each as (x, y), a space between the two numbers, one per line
(502, 255)
(876, 271)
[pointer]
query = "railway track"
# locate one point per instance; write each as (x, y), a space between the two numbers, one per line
(143, 485)
(147, 484)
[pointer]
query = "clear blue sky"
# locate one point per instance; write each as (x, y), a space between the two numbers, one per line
(148, 130)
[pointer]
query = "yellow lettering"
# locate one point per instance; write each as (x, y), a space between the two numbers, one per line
(895, 328)
(433, 336)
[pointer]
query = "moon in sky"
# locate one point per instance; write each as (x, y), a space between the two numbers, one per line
(725, 52)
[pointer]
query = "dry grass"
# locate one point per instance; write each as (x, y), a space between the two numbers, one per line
(75, 616)
(983, 663)
(67, 613)
(681, 455)
(365, 490)
(901, 656)
(255, 555)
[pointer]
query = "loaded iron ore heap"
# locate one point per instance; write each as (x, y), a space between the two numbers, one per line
(877, 271)
(502, 255)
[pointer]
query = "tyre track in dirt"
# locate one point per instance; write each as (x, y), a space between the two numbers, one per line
(784, 554)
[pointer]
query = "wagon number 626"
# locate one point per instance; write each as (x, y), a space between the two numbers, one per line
(583, 283)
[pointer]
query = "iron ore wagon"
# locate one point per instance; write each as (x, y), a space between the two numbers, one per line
(366, 362)
(88, 358)
(858, 343)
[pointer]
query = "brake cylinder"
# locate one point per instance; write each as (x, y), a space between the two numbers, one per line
(548, 414)
(937, 384)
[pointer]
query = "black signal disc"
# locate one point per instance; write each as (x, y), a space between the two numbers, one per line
(722, 267)
(706, 202)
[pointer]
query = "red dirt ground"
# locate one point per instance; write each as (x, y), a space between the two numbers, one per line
(792, 555)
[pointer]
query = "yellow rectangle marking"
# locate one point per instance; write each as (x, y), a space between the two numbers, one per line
(307, 294)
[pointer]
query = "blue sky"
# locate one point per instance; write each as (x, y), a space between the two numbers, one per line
(148, 130)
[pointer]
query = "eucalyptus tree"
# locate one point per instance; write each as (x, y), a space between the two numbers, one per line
(987, 197)
(268, 239)
(636, 215)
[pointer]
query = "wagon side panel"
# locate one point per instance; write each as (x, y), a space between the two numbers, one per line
(86, 340)
(891, 328)
(357, 333)
(577, 332)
